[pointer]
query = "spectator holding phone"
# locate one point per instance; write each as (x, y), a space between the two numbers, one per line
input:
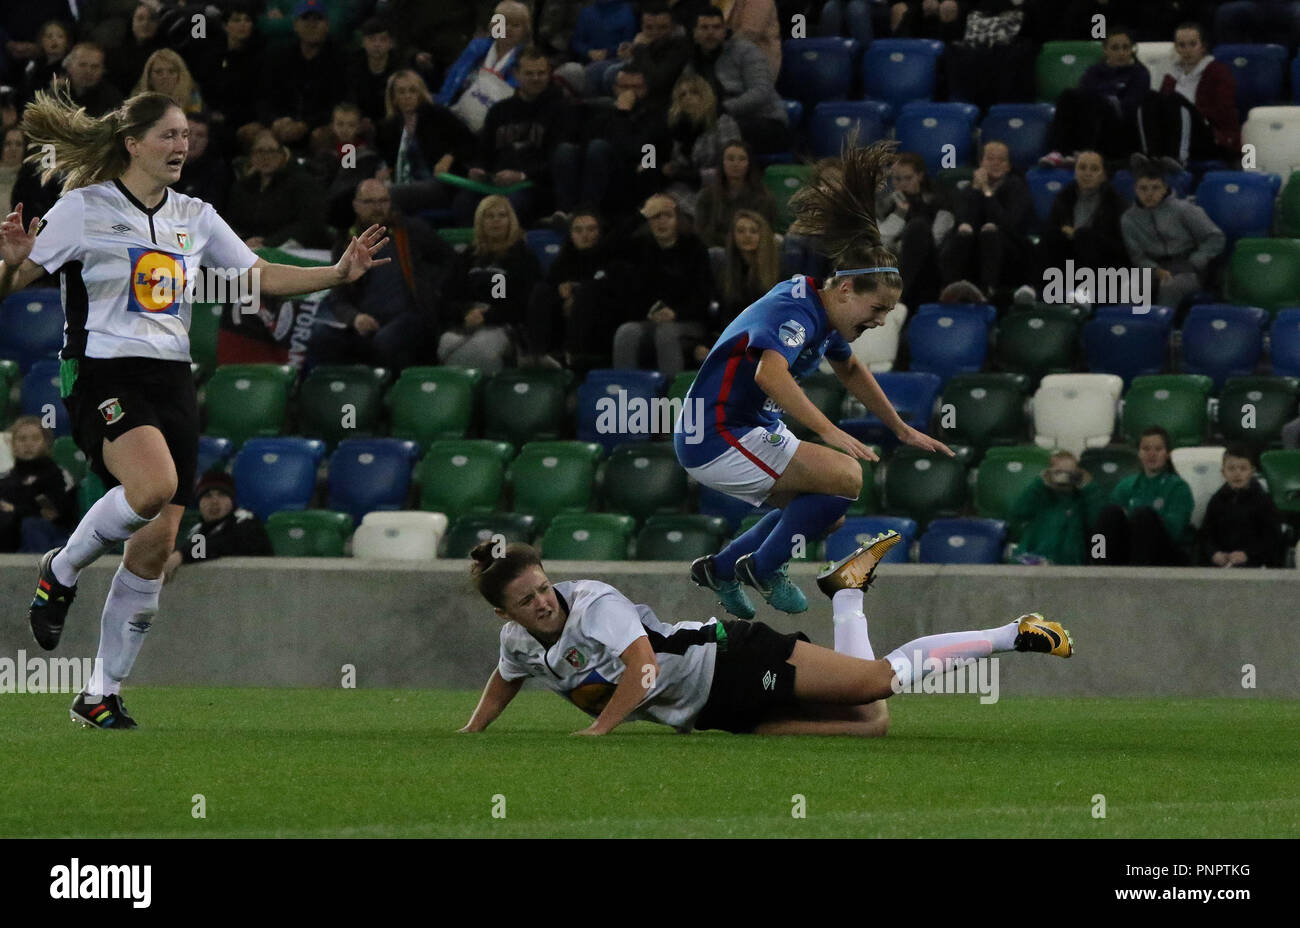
(1058, 510)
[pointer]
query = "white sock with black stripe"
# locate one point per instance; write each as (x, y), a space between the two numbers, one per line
(851, 636)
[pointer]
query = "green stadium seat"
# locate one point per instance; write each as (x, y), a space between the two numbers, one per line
(1037, 341)
(1003, 474)
(1060, 65)
(433, 403)
(1264, 272)
(470, 530)
(526, 405)
(680, 538)
(1288, 224)
(1110, 465)
(782, 180)
(553, 477)
(827, 394)
(460, 239)
(588, 536)
(341, 401)
(189, 519)
(986, 409)
(644, 478)
(1254, 409)
(89, 492)
(950, 180)
(309, 533)
(1177, 402)
(681, 383)
(1282, 471)
(205, 320)
(924, 484)
(461, 476)
(243, 401)
(67, 455)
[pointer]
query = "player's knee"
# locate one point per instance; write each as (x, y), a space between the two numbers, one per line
(836, 526)
(850, 480)
(149, 497)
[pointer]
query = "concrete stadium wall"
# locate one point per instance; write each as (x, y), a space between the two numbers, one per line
(292, 622)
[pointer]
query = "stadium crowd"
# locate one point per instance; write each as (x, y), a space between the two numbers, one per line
(590, 184)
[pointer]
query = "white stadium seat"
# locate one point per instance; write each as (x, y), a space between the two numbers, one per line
(876, 349)
(1202, 468)
(399, 536)
(1076, 411)
(1156, 56)
(1275, 133)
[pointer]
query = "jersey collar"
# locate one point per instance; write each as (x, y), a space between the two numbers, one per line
(137, 204)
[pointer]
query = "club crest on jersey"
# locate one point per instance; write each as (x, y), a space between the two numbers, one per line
(575, 658)
(112, 411)
(157, 282)
(773, 438)
(792, 334)
(183, 239)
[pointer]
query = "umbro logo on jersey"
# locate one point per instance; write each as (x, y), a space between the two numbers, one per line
(769, 681)
(121, 228)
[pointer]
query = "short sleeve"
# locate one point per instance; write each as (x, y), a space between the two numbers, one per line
(509, 665)
(784, 327)
(59, 236)
(613, 621)
(837, 349)
(223, 247)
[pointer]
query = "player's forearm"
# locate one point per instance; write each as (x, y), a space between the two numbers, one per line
(785, 391)
(288, 280)
(859, 382)
(496, 696)
(7, 274)
(630, 693)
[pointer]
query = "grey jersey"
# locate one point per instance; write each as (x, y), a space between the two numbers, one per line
(584, 666)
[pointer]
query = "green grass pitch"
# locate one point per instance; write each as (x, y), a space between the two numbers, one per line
(388, 763)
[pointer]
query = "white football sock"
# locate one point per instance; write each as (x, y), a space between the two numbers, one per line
(128, 615)
(851, 625)
(106, 523)
(909, 661)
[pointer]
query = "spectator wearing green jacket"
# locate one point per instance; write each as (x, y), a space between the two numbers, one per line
(1149, 520)
(1059, 510)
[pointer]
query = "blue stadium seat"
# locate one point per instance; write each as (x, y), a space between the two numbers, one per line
(1222, 341)
(1239, 202)
(1284, 342)
(899, 71)
(1122, 312)
(986, 311)
(368, 474)
(1045, 184)
(213, 452)
(857, 529)
(927, 127)
(716, 503)
(963, 541)
(1258, 71)
(276, 474)
(1130, 349)
(911, 393)
(545, 244)
(40, 395)
(1125, 184)
(947, 342)
(813, 70)
(630, 391)
(835, 121)
(793, 113)
(31, 326)
(1023, 126)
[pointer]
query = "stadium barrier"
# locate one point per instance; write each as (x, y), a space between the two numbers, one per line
(292, 622)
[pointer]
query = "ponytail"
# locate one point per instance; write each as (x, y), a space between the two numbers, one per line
(491, 575)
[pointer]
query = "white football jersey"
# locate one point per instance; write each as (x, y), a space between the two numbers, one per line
(114, 253)
(584, 665)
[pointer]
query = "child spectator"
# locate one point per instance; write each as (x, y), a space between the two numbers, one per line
(226, 531)
(37, 505)
(1173, 237)
(1058, 510)
(1149, 520)
(1242, 527)
(55, 40)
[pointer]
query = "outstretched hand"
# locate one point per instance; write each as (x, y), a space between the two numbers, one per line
(917, 439)
(15, 242)
(360, 254)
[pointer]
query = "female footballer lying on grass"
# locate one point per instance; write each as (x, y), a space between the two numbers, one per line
(617, 662)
